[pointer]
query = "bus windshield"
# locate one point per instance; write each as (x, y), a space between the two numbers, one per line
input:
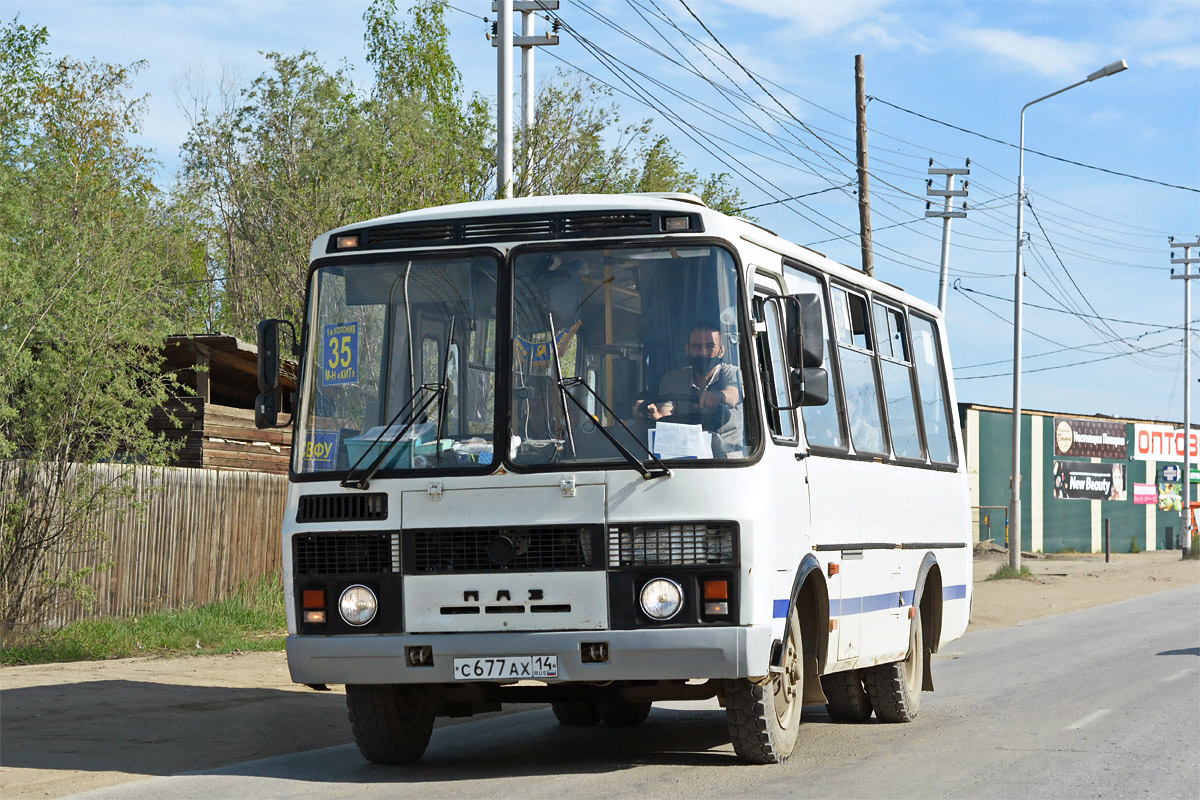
(645, 338)
(400, 348)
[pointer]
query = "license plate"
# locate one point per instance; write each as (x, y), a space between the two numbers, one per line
(505, 668)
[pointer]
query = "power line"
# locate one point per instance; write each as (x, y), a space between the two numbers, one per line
(1035, 152)
(797, 197)
(1065, 366)
(962, 288)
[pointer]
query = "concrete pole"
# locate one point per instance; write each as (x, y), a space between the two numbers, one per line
(1014, 505)
(527, 91)
(943, 273)
(504, 91)
(1186, 277)
(1187, 404)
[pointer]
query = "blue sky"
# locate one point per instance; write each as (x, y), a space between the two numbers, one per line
(1101, 248)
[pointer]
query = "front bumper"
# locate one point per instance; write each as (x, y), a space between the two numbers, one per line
(666, 654)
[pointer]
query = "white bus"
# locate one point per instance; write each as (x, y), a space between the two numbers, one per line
(606, 450)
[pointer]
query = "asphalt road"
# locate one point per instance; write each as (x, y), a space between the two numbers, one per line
(1101, 702)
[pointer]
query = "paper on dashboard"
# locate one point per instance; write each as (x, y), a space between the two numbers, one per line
(672, 440)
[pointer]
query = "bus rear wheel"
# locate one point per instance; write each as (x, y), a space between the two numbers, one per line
(764, 718)
(391, 724)
(624, 713)
(895, 689)
(847, 699)
(576, 713)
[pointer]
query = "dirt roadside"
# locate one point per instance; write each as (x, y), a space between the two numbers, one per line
(67, 728)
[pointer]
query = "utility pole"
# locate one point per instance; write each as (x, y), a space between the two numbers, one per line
(947, 213)
(527, 41)
(1186, 277)
(864, 182)
(504, 146)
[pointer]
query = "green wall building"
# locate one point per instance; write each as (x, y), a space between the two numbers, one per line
(1077, 471)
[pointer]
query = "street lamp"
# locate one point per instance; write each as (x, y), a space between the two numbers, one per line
(1014, 508)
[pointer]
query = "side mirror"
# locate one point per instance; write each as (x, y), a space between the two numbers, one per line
(814, 388)
(268, 355)
(266, 410)
(266, 405)
(804, 331)
(812, 329)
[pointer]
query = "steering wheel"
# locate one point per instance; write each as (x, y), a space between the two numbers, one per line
(710, 419)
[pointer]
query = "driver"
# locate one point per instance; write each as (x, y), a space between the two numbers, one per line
(707, 387)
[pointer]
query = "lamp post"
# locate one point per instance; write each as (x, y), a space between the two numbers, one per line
(1014, 510)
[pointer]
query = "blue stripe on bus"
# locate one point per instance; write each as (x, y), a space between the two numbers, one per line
(780, 610)
(958, 592)
(848, 606)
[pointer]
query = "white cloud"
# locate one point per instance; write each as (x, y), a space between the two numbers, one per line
(1186, 57)
(813, 16)
(1045, 55)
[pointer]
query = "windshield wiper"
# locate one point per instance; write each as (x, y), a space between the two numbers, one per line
(436, 390)
(659, 471)
(558, 381)
(564, 384)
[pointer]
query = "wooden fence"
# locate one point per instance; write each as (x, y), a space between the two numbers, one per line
(185, 537)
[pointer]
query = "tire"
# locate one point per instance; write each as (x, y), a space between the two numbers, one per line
(577, 713)
(848, 700)
(764, 719)
(895, 689)
(624, 713)
(391, 724)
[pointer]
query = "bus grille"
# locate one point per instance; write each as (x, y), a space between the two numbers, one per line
(339, 507)
(344, 553)
(673, 545)
(564, 548)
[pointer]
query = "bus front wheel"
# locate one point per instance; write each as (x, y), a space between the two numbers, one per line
(391, 724)
(764, 718)
(895, 689)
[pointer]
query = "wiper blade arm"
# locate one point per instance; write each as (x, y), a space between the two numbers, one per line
(659, 471)
(436, 390)
(558, 380)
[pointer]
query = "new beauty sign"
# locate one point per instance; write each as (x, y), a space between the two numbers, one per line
(339, 354)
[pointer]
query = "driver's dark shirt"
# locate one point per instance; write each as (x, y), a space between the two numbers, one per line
(680, 383)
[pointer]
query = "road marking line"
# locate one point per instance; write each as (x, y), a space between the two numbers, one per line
(1178, 675)
(1088, 720)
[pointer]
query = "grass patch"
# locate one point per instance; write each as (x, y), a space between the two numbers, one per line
(1006, 573)
(252, 619)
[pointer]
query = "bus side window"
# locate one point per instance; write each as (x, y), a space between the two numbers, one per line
(896, 369)
(822, 424)
(773, 371)
(858, 372)
(931, 383)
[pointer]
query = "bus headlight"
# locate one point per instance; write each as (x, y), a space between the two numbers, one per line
(661, 599)
(357, 605)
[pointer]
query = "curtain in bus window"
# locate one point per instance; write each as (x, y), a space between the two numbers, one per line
(822, 424)
(933, 400)
(858, 373)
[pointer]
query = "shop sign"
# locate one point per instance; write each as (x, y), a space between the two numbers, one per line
(1162, 442)
(1089, 438)
(1084, 480)
(1145, 494)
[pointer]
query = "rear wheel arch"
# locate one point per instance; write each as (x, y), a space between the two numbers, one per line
(927, 599)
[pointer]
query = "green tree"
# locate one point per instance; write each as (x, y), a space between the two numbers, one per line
(82, 312)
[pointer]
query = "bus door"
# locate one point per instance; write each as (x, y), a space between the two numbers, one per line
(788, 475)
